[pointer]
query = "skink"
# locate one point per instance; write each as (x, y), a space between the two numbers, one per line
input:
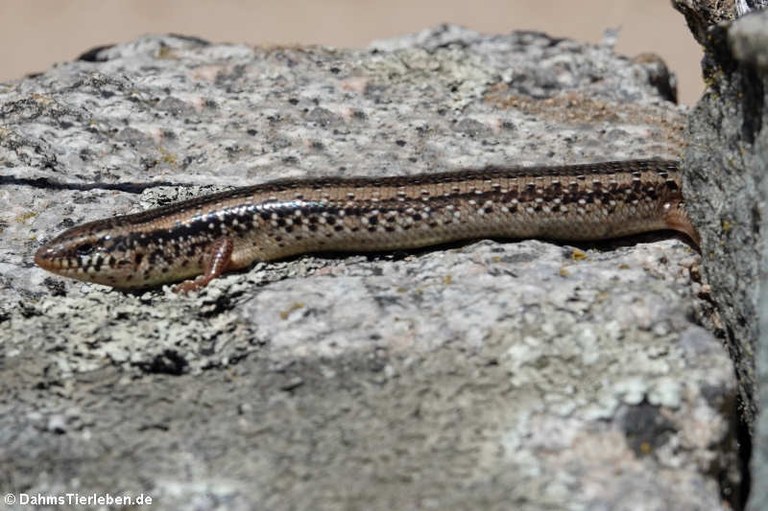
(201, 238)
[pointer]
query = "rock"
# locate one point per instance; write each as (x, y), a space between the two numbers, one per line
(488, 375)
(727, 190)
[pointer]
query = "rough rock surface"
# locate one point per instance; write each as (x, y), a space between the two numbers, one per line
(490, 375)
(727, 188)
(723, 162)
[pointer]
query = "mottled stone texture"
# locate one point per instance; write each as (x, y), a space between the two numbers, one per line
(491, 375)
(748, 38)
(727, 161)
(723, 186)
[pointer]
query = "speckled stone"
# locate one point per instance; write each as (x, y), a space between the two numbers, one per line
(727, 190)
(490, 375)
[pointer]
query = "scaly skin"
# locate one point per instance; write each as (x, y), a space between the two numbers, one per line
(209, 235)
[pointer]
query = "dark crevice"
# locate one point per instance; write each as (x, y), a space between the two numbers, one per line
(744, 439)
(48, 184)
(95, 54)
(752, 103)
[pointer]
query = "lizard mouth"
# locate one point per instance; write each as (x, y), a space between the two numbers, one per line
(53, 258)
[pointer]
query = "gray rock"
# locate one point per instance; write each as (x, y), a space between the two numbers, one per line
(723, 162)
(727, 190)
(749, 40)
(489, 375)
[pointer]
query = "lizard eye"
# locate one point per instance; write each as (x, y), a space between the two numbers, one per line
(84, 249)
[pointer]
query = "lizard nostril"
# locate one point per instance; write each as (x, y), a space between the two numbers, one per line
(40, 256)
